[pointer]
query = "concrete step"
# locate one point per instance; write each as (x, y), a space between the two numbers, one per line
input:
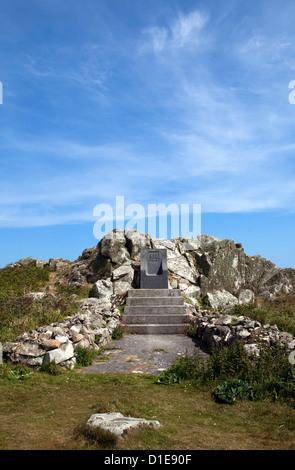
(155, 310)
(154, 301)
(154, 293)
(155, 319)
(169, 329)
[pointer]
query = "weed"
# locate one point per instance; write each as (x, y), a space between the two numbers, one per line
(235, 375)
(51, 368)
(122, 309)
(84, 356)
(19, 314)
(279, 312)
(192, 331)
(118, 332)
(13, 372)
(18, 280)
(231, 390)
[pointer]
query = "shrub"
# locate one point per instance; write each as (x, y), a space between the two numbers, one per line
(192, 331)
(235, 375)
(187, 368)
(84, 356)
(281, 312)
(82, 291)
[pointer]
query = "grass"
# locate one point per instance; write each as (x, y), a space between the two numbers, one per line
(20, 313)
(81, 291)
(50, 412)
(280, 312)
(19, 280)
(48, 409)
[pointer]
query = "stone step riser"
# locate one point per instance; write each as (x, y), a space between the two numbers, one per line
(155, 319)
(157, 329)
(154, 293)
(154, 301)
(155, 310)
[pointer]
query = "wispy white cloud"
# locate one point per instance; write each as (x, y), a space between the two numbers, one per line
(184, 126)
(184, 32)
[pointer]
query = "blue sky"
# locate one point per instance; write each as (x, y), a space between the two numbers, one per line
(161, 101)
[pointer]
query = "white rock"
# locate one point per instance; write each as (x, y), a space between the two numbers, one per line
(101, 289)
(120, 287)
(192, 291)
(242, 334)
(119, 424)
(64, 353)
(246, 296)
(251, 349)
(221, 299)
(124, 272)
(62, 338)
(180, 267)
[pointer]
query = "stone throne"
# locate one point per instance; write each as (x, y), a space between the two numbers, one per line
(153, 269)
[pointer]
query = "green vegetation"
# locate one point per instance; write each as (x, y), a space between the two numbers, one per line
(58, 403)
(233, 375)
(85, 356)
(118, 332)
(51, 411)
(97, 437)
(51, 368)
(19, 280)
(81, 291)
(20, 314)
(280, 312)
(192, 330)
(122, 309)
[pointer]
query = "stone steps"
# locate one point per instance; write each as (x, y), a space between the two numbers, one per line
(154, 293)
(156, 319)
(154, 301)
(156, 329)
(155, 311)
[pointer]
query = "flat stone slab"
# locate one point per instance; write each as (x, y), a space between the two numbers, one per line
(119, 424)
(144, 354)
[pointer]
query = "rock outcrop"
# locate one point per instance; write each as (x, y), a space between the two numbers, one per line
(197, 266)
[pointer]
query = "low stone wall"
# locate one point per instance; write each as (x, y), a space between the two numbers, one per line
(91, 328)
(215, 328)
